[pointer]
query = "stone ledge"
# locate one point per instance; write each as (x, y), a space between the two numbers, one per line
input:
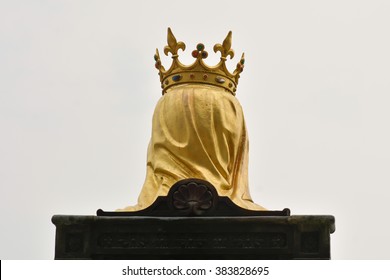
(134, 237)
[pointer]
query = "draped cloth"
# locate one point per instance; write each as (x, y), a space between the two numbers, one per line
(198, 131)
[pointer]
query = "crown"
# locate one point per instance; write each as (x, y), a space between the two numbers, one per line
(199, 72)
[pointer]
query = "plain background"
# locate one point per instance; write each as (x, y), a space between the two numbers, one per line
(78, 88)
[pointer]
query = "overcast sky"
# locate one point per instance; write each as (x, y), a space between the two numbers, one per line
(78, 89)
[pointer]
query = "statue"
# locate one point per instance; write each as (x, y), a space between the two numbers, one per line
(195, 201)
(198, 128)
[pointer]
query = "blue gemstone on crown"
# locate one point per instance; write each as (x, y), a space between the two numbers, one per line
(176, 78)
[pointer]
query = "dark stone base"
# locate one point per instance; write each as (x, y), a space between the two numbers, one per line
(193, 222)
(292, 237)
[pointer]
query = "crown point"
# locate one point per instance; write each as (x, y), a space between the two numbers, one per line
(157, 55)
(242, 58)
(171, 39)
(227, 43)
(170, 32)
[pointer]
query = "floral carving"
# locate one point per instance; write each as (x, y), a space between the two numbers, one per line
(193, 198)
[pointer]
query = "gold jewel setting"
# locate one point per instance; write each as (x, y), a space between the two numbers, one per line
(199, 71)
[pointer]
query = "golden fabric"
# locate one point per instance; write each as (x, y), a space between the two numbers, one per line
(198, 132)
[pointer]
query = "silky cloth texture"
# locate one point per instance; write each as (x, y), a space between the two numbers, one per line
(198, 131)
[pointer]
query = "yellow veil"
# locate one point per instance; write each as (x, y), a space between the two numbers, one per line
(198, 131)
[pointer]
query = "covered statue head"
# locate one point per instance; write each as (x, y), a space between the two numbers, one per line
(198, 128)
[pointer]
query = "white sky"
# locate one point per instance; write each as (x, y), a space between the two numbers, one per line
(78, 88)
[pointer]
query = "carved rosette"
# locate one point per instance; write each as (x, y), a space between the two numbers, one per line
(192, 198)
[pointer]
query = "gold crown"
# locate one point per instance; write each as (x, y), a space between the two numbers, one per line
(199, 72)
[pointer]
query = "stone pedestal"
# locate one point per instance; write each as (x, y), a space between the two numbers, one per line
(293, 237)
(201, 225)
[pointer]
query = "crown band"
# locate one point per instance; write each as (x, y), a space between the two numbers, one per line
(198, 78)
(199, 72)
